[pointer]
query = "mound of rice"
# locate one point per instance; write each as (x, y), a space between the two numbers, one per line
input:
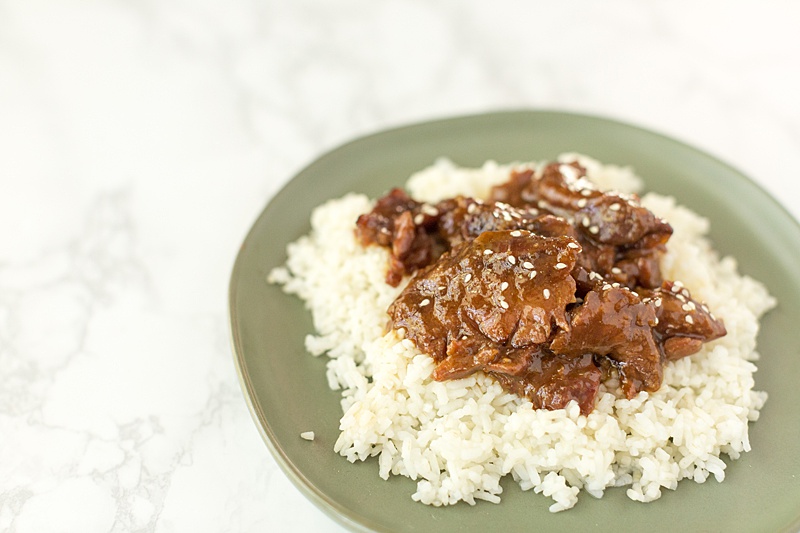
(458, 438)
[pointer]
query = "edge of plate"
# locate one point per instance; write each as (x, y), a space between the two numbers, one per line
(328, 506)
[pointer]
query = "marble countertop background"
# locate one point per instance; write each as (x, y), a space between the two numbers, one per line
(140, 139)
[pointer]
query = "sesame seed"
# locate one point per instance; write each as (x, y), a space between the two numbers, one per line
(585, 222)
(582, 202)
(686, 307)
(658, 302)
(655, 322)
(573, 245)
(527, 264)
(418, 219)
(467, 278)
(429, 210)
(504, 286)
(616, 270)
(614, 207)
(615, 285)
(594, 230)
(504, 304)
(606, 286)
(516, 233)
(512, 259)
(532, 274)
(586, 192)
(689, 319)
(487, 252)
(424, 302)
(546, 294)
(560, 266)
(506, 217)
(471, 209)
(569, 172)
(442, 288)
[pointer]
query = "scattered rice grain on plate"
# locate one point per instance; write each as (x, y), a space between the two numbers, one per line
(458, 438)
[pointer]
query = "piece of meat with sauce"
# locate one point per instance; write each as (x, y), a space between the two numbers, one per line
(552, 380)
(621, 239)
(489, 304)
(462, 219)
(377, 226)
(618, 220)
(408, 228)
(557, 187)
(684, 324)
(510, 286)
(613, 322)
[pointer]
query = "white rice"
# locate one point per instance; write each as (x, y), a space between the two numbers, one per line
(458, 438)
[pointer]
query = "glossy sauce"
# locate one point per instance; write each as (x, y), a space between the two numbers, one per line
(545, 287)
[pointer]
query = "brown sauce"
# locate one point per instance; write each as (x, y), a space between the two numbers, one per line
(546, 286)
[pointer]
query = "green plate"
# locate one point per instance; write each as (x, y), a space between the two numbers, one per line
(286, 388)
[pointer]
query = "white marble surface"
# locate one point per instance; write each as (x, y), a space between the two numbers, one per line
(140, 139)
